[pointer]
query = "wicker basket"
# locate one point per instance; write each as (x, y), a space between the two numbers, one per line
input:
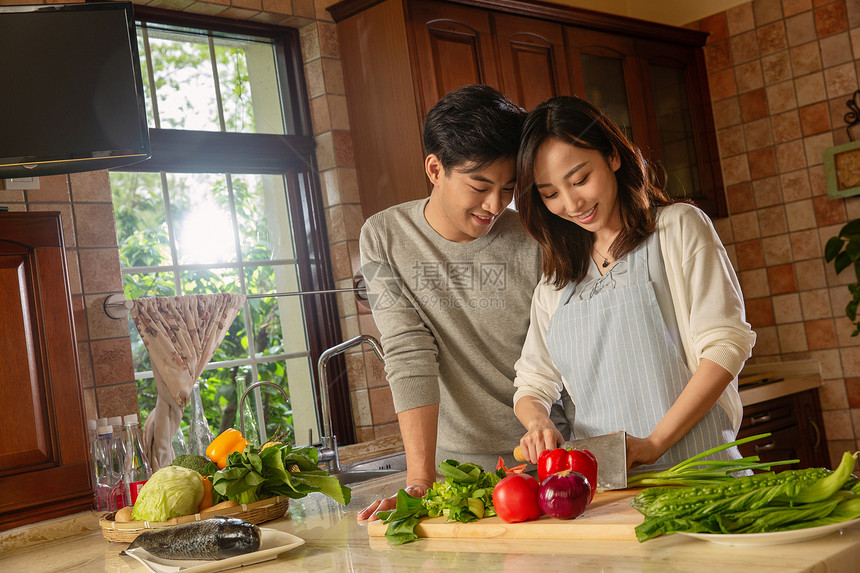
(256, 512)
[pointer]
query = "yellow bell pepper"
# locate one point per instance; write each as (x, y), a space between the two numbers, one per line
(226, 443)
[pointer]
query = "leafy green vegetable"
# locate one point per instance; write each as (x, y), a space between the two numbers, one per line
(277, 470)
(752, 504)
(194, 462)
(170, 492)
(466, 495)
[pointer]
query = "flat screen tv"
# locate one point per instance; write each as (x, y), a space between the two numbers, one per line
(72, 96)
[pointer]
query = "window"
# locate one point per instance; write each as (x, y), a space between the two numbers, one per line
(229, 203)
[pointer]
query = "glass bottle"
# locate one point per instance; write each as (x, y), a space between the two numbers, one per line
(199, 433)
(136, 469)
(106, 478)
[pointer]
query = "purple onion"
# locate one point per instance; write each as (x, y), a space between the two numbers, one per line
(564, 495)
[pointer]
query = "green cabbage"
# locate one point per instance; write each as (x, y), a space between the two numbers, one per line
(170, 492)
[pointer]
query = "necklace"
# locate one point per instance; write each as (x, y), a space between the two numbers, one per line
(605, 259)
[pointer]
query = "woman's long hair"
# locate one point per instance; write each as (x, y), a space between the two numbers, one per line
(565, 245)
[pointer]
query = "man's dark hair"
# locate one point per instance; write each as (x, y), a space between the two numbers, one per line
(475, 125)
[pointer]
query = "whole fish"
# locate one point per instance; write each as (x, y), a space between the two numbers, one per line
(209, 539)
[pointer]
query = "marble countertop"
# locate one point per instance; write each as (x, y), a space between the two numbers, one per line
(334, 541)
(791, 378)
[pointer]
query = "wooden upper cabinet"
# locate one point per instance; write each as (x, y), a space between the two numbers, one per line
(649, 78)
(678, 106)
(454, 47)
(532, 59)
(606, 72)
(44, 470)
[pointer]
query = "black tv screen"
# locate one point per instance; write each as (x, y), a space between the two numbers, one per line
(72, 97)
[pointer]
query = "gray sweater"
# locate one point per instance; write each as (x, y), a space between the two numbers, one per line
(453, 318)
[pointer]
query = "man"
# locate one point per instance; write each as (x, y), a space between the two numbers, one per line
(450, 280)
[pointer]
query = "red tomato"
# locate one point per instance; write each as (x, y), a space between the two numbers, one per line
(516, 498)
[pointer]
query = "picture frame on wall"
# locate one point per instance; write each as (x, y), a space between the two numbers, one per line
(842, 170)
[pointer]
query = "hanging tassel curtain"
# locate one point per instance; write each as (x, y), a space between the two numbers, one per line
(181, 334)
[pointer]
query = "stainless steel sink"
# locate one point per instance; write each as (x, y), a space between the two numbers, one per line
(372, 469)
(348, 477)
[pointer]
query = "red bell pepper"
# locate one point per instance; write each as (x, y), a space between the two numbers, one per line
(560, 459)
(510, 471)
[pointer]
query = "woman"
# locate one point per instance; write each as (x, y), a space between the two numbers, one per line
(639, 313)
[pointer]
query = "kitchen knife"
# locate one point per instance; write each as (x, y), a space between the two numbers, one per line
(611, 453)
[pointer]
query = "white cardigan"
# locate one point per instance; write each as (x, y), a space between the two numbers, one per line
(706, 297)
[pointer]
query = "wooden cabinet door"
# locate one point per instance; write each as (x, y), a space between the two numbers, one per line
(606, 72)
(532, 59)
(43, 454)
(679, 112)
(454, 48)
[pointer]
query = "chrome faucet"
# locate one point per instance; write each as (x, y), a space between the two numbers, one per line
(328, 448)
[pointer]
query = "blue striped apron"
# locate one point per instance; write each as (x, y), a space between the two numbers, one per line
(611, 344)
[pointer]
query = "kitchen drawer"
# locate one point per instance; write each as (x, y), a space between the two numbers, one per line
(767, 414)
(796, 427)
(782, 444)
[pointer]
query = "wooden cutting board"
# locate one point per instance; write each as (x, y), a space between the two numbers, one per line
(608, 516)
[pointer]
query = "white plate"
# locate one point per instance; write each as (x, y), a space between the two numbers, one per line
(775, 538)
(272, 543)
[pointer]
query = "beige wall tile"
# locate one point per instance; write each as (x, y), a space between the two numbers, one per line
(100, 270)
(850, 361)
(749, 76)
(777, 250)
(831, 366)
(792, 7)
(786, 308)
(815, 304)
(805, 245)
(100, 325)
(740, 19)
(815, 146)
(810, 88)
(837, 425)
(745, 226)
(810, 274)
(727, 112)
(795, 185)
(800, 29)
(767, 341)
(112, 361)
(735, 170)
(805, 59)
(792, 337)
(840, 80)
(95, 224)
(90, 187)
(835, 50)
(52, 189)
(800, 215)
(772, 220)
(731, 141)
(361, 413)
(754, 283)
(790, 156)
(85, 365)
(776, 68)
(117, 400)
(758, 134)
(781, 97)
(767, 11)
(74, 271)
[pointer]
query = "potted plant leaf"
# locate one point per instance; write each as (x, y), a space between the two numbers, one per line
(844, 251)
